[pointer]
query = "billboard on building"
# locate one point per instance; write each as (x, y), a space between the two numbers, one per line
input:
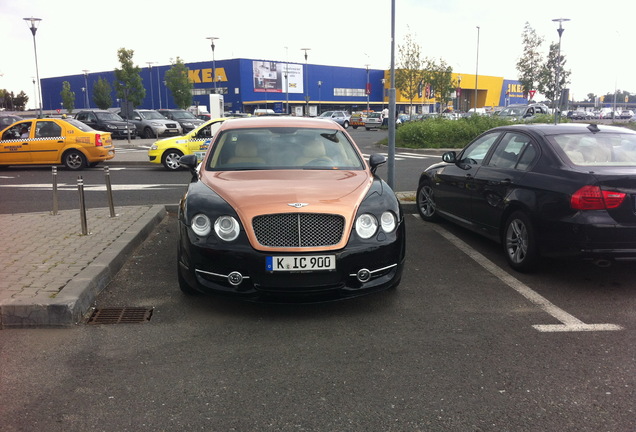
(270, 76)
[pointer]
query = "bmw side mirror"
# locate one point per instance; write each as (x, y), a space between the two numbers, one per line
(375, 160)
(449, 157)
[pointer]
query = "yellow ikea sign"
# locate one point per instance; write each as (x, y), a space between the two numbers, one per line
(205, 75)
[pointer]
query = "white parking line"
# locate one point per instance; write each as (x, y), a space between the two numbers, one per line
(569, 322)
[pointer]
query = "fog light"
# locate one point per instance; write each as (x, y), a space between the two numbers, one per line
(235, 278)
(363, 275)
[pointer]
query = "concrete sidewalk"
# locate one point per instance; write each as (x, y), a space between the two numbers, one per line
(51, 274)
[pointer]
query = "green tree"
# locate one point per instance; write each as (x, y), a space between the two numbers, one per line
(547, 78)
(102, 94)
(410, 71)
(440, 77)
(68, 97)
(179, 85)
(128, 83)
(530, 64)
(591, 97)
(20, 101)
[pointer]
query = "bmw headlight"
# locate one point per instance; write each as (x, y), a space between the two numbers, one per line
(388, 221)
(110, 126)
(188, 124)
(366, 225)
(201, 225)
(226, 227)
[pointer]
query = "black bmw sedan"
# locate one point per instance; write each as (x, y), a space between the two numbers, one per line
(566, 190)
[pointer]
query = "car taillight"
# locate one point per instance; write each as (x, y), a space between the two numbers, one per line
(98, 140)
(593, 198)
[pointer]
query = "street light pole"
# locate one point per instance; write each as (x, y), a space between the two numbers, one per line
(477, 70)
(212, 39)
(367, 87)
(34, 22)
(86, 98)
(306, 83)
(159, 87)
(557, 91)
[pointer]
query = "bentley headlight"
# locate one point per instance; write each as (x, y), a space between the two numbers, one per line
(201, 225)
(388, 221)
(366, 225)
(226, 227)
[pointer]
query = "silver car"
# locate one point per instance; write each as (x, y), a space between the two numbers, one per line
(151, 124)
(340, 117)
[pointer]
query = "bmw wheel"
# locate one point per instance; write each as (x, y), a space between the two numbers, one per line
(519, 242)
(170, 159)
(74, 160)
(426, 202)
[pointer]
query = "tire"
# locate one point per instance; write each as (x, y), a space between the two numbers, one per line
(426, 206)
(355, 127)
(148, 133)
(519, 242)
(74, 160)
(345, 124)
(170, 159)
(367, 128)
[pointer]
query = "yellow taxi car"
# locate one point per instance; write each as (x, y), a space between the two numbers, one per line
(168, 151)
(53, 141)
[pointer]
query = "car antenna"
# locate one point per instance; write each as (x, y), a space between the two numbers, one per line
(593, 127)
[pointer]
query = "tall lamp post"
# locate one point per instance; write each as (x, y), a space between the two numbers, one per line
(477, 69)
(319, 85)
(306, 82)
(212, 39)
(33, 26)
(459, 92)
(557, 91)
(86, 99)
(152, 92)
(367, 88)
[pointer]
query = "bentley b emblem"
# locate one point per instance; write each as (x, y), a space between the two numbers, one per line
(298, 205)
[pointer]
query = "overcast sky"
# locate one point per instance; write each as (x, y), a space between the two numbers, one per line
(75, 35)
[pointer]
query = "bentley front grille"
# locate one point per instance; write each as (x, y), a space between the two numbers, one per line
(298, 229)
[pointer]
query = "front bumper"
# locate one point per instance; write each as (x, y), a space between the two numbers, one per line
(208, 270)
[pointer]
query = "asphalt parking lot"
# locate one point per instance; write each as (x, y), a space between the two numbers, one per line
(462, 344)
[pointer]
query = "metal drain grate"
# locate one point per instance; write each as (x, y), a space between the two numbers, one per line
(130, 315)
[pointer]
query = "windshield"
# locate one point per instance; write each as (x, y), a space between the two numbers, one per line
(151, 115)
(602, 149)
(512, 111)
(284, 149)
(108, 116)
(183, 115)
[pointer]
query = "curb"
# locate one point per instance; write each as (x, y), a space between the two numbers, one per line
(76, 298)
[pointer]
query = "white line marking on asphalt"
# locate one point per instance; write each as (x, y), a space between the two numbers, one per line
(569, 322)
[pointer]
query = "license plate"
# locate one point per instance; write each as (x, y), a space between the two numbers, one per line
(300, 263)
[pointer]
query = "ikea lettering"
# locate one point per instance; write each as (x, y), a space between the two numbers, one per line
(198, 76)
(515, 88)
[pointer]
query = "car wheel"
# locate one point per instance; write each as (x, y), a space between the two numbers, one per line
(355, 127)
(345, 124)
(74, 160)
(170, 159)
(148, 133)
(519, 243)
(426, 202)
(367, 128)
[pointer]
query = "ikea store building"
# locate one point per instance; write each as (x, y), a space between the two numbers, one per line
(295, 88)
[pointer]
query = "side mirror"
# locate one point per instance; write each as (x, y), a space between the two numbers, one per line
(375, 160)
(449, 157)
(190, 162)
